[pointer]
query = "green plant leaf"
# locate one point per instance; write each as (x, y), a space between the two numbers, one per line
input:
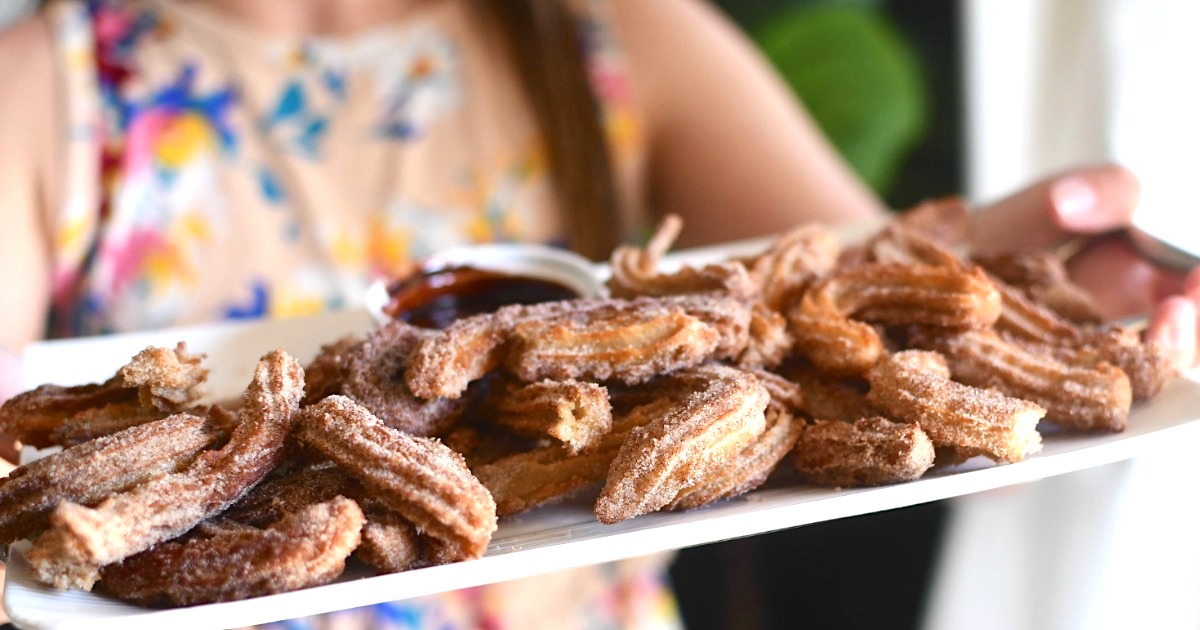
(857, 76)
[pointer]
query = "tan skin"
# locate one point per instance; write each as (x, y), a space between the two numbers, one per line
(723, 133)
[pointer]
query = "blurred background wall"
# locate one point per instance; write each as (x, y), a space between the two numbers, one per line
(1047, 85)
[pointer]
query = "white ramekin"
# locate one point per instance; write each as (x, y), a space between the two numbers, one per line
(535, 261)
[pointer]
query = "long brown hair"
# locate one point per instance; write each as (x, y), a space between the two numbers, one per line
(546, 48)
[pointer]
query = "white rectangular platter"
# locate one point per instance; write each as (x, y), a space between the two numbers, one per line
(547, 539)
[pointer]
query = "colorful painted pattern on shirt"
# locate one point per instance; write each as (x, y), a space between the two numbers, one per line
(176, 149)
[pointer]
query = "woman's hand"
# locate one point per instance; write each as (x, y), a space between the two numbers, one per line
(1098, 202)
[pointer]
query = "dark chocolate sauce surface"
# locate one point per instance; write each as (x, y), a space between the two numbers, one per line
(435, 298)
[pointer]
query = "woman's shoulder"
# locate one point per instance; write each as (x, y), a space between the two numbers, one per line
(27, 154)
(26, 65)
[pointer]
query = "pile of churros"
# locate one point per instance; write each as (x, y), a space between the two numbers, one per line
(853, 366)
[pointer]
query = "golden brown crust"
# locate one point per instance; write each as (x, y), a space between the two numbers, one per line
(575, 413)
(1147, 366)
(1092, 397)
(785, 393)
(793, 262)
(445, 363)
(303, 549)
(390, 544)
(706, 430)
(375, 379)
(898, 244)
(899, 295)
(915, 386)
(1022, 318)
(885, 293)
(82, 539)
(420, 478)
(1043, 278)
(838, 345)
(829, 398)
(89, 472)
(629, 344)
(95, 423)
(730, 278)
(750, 468)
(329, 370)
(547, 474)
(868, 452)
(728, 316)
(290, 491)
(165, 378)
(1030, 324)
(770, 342)
(635, 271)
(156, 383)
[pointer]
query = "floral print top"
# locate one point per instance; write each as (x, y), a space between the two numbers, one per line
(216, 172)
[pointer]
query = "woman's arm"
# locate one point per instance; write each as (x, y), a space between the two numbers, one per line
(28, 151)
(29, 137)
(730, 148)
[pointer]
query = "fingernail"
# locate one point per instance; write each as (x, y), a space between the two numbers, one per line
(1075, 203)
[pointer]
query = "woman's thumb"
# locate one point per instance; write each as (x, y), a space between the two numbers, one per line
(1087, 200)
(1094, 200)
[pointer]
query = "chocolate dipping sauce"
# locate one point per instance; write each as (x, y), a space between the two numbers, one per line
(435, 298)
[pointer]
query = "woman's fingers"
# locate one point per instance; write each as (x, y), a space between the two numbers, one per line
(1088, 200)
(1175, 325)
(1094, 200)
(1121, 283)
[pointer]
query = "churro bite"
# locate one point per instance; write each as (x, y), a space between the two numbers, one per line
(915, 386)
(867, 452)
